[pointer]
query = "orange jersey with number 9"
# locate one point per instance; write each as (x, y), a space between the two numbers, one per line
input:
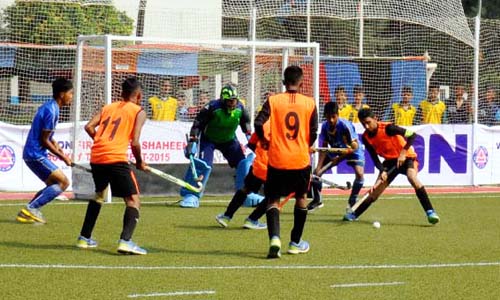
(290, 116)
(115, 131)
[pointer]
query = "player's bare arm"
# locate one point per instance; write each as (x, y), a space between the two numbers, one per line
(67, 161)
(91, 126)
(409, 136)
(136, 143)
(245, 123)
(321, 160)
(313, 127)
(262, 118)
(48, 143)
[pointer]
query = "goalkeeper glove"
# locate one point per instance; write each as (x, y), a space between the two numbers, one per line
(191, 147)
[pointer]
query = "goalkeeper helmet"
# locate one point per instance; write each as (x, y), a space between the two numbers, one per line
(228, 92)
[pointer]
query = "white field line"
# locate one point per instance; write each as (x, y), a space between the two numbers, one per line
(167, 203)
(351, 285)
(170, 294)
(263, 267)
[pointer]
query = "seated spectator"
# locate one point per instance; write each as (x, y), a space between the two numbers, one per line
(359, 96)
(489, 111)
(404, 112)
(164, 106)
(431, 110)
(182, 108)
(203, 100)
(345, 110)
(458, 109)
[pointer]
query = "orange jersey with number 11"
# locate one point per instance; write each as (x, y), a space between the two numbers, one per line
(290, 116)
(114, 133)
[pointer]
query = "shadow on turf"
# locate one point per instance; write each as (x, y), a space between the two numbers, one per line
(222, 253)
(9, 221)
(336, 220)
(52, 247)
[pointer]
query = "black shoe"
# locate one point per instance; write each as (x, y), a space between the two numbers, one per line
(314, 205)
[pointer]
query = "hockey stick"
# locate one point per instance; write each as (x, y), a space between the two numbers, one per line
(334, 150)
(192, 165)
(333, 184)
(175, 180)
(365, 196)
(81, 167)
(282, 203)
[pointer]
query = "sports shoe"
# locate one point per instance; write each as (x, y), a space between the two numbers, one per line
(129, 247)
(302, 247)
(22, 218)
(432, 216)
(250, 224)
(314, 205)
(85, 243)
(274, 247)
(222, 220)
(349, 217)
(34, 214)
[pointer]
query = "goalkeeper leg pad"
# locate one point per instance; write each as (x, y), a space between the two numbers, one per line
(242, 170)
(253, 200)
(190, 198)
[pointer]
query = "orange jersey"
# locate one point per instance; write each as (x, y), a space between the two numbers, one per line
(259, 166)
(115, 131)
(389, 147)
(290, 124)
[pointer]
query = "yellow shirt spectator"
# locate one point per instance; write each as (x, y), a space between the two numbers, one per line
(354, 113)
(345, 112)
(163, 109)
(402, 116)
(432, 113)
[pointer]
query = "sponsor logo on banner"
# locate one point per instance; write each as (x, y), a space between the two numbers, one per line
(480, 157)
(7, 158)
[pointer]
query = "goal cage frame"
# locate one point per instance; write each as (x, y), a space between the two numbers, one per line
(309, 52)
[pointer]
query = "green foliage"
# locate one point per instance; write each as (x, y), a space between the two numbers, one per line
(60, 23)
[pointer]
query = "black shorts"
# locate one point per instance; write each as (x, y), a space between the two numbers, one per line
(252, 182)
(390, 167)
(119, 175)
(283, 182)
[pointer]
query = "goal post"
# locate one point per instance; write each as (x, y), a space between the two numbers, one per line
(193, 68)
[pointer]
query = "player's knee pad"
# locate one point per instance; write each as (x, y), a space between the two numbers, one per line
(317, 184)
(100, 197)
(253, 200)
(242, 170)
(314, 188)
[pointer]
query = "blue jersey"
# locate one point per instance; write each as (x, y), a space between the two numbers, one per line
(340, 136)
(46, 118)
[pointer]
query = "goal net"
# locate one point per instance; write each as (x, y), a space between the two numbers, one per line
(382, 45)
(192, 72)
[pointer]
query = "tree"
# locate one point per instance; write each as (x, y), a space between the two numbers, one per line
(54, 23)
(59, 23)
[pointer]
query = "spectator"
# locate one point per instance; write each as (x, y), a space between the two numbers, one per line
(203, 100)
(345, 110)
(183, 109)
(359, 96)
(489, 112)
(404, 112)
(459, 110)
(164, 106)
(431, 110)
